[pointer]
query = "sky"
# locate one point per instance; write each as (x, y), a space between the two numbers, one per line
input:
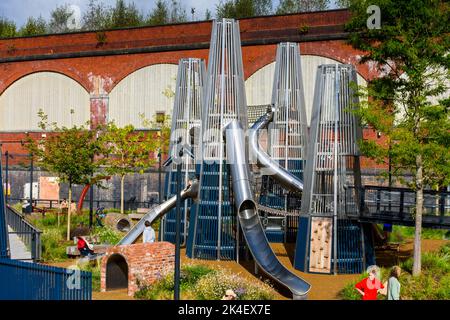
(19, 10)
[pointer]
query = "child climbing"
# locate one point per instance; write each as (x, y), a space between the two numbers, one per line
(84, 247)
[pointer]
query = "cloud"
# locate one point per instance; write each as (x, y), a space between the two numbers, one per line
(19, 10)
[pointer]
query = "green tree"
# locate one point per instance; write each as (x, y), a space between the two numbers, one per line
(177, 12)
(126, 151)
(123, 15)
(208, 14)
(34, 27)
(97, 16)
(243, 8)
(59, 18)
(294, 6)
(407, 100)
(7, 28)
(160, 15)
(68, 153)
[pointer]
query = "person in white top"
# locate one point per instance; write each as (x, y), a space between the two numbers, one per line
(149, 233)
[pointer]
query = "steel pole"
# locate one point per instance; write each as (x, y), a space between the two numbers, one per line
(177, 232)
(6, 176)
(31, 182)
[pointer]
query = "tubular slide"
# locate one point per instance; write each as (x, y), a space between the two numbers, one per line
(248, 215)
(157, 212)
(283, 177)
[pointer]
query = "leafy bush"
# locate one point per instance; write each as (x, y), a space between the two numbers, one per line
(401, 233)
(204, 283)
(108, 235)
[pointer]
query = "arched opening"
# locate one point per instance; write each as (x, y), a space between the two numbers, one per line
(116, 273)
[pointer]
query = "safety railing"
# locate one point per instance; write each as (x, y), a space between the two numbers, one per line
(31, 281)
(28, 234)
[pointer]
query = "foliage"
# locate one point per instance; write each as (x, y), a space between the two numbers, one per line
(243, 8)
(97, 16)
(164, 129)
(53, 245)
(125, 151)
(34, 27)
(107, 235)
(7, 28)
(69, 153)
(408, 103)
(167, 12)
(59, 18)
(294, 6)
(432, 284)
(401, 233)
(201, 282)
(124, 15)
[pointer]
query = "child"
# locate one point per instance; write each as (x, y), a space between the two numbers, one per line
(370, 286)
(149, 233)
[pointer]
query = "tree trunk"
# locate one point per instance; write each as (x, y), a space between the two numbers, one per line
(69, 212)
(122, 180)
(417, 265)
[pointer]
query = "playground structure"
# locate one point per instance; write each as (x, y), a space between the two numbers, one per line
(220, 210)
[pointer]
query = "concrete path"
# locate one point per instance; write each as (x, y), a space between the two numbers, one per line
(18, 249)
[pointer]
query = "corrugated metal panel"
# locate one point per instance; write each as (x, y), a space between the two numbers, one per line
(259, 85)
(143, 92)
(52, 92)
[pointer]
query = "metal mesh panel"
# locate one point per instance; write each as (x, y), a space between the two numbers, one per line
(186, 121)
(287, 138)
(212, 235)
(333, 165)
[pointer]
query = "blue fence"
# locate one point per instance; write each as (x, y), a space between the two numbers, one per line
(4, 253)
(30, 281)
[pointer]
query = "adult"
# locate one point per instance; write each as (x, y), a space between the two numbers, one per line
(229, 295)
(393, 284)
(370, 287)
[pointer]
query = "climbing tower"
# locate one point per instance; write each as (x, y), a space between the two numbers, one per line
(328, 241)
(186, 125)
(287, 143)
(212, 228)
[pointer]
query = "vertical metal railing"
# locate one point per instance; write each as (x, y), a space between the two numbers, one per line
(30, 281)
(28, 234)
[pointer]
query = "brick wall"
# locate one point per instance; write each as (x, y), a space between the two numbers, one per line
(146, 262)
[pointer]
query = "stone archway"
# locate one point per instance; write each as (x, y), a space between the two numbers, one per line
(116, 273)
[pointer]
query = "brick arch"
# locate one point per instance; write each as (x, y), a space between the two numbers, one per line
(117, 81)
(16, 76)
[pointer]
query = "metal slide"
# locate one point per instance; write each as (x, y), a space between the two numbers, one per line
(157, 212)
(248, 215)
(277, 172)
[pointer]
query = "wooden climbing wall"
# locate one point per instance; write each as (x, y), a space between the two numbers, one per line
(320, 246)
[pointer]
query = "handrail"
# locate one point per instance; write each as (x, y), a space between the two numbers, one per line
(29, 234)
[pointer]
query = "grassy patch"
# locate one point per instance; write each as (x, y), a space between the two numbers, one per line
(200, 282)
(432, 284)
(401, 233)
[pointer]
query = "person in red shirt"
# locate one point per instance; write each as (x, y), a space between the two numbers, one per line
(370, 286)
(84, 247)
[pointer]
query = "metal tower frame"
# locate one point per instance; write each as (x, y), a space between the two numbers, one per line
(332, 166)
(186, 125)
(213, 233)
(287, 135)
